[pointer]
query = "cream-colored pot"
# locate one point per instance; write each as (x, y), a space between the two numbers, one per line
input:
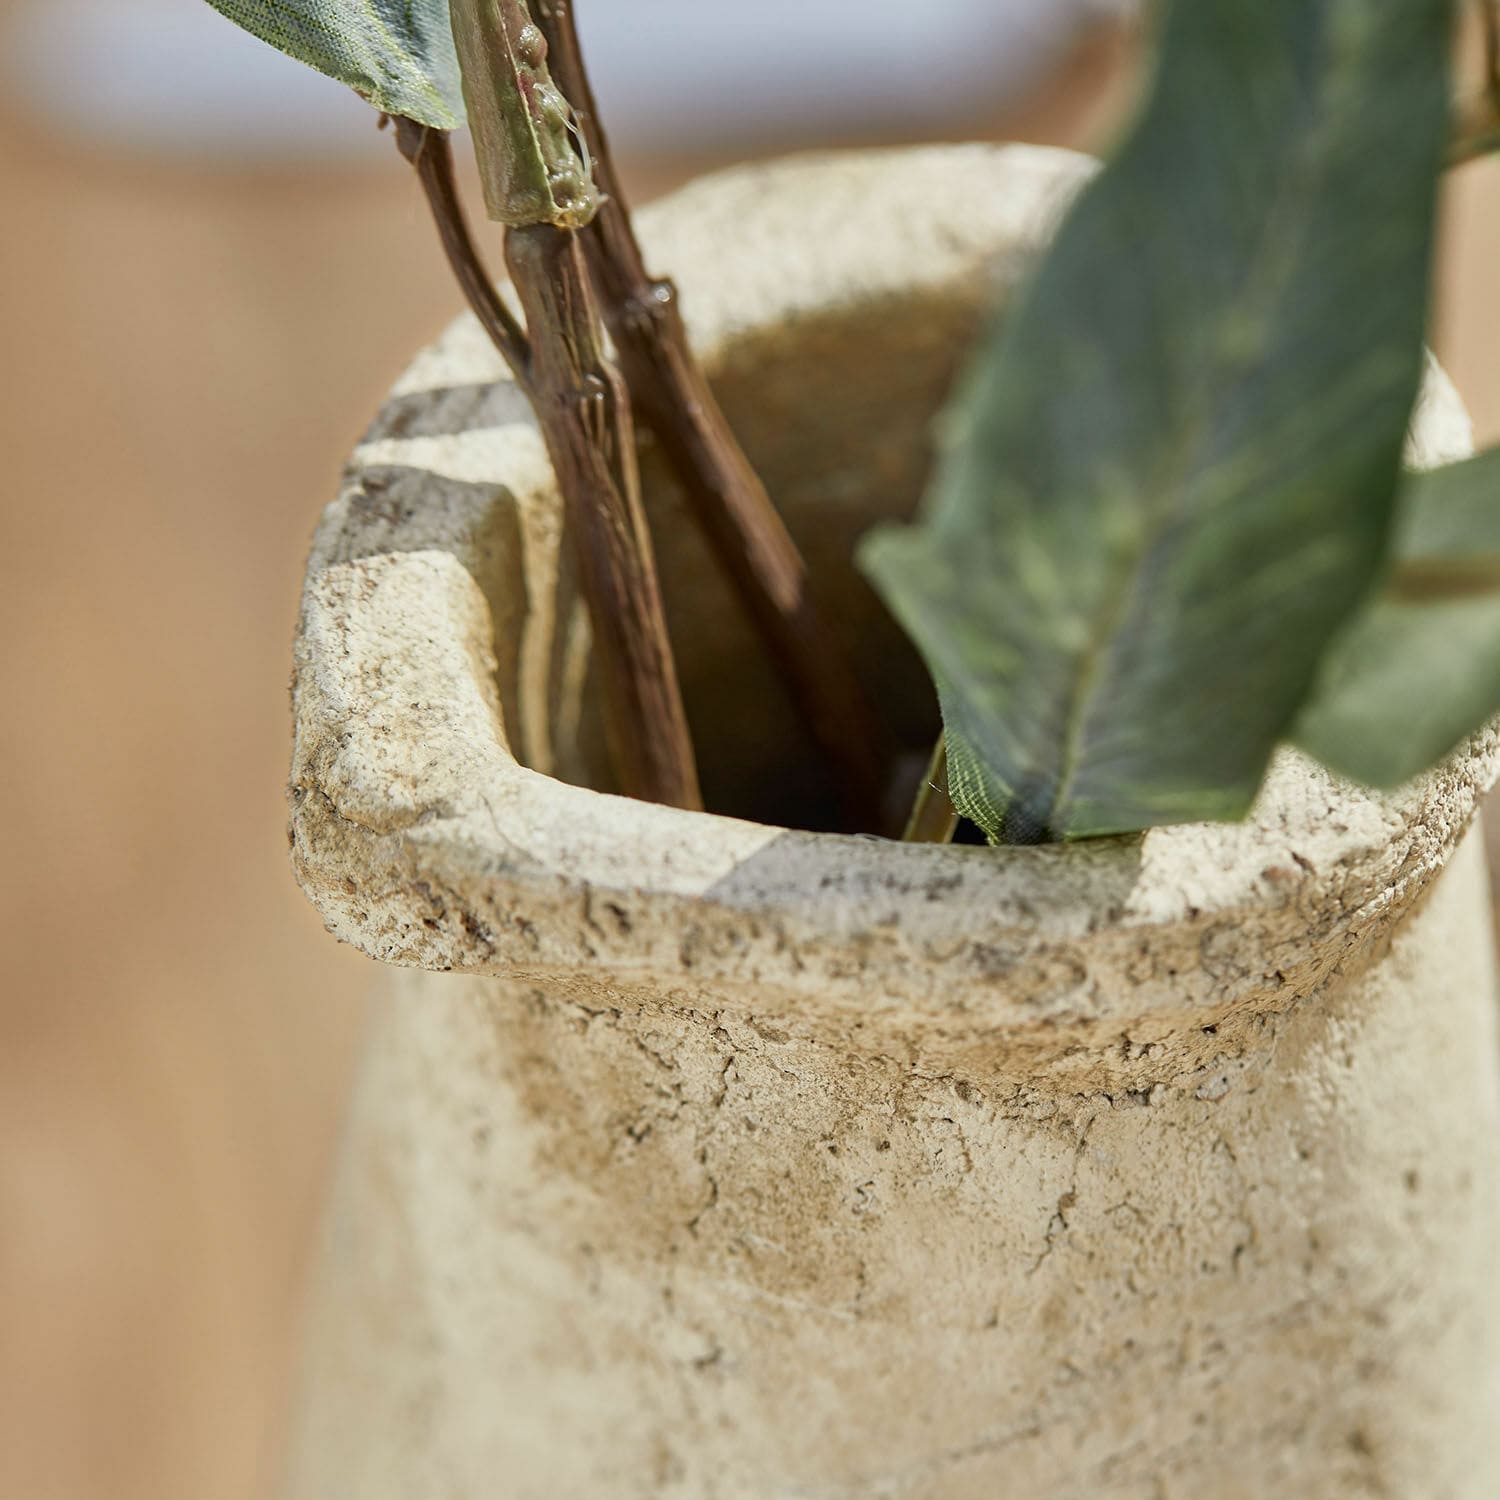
(733, 1163)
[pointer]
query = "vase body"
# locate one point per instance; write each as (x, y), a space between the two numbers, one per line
(738, 1163)
(660, 1250)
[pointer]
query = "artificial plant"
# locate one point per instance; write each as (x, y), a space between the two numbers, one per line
(1169, 476)
(1168, 528)
(572, 253)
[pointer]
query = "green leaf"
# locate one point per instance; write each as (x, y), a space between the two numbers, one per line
(1448, 532)
(1168, 479)
(1418, 670)
(398, 53)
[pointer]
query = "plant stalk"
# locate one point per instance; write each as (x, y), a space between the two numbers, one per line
(529, 164)
(1489, 15)
(933, 820)
(1479, 123)
(585, 419)
(743, 527)
(430, 152)
(541, 189)
(1471, 144)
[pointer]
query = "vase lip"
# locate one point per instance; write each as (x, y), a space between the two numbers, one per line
(424, 841)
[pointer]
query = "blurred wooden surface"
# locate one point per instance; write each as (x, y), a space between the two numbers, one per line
(187, 356)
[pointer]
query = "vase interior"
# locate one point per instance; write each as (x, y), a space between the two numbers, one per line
(836, 413)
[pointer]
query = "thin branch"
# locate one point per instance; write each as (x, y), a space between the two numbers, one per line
(933, 818)
(529, 165)
(536, 185)
(729, 502)
(1478, 131)
(584, 414)
(430, 153)
(1489, 14)
(1472, 143)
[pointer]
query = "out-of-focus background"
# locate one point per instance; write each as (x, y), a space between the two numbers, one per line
(210, 268)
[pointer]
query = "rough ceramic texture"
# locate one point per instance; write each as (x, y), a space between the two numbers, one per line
(755, 1163)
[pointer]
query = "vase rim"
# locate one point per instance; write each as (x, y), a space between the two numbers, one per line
(425, 842)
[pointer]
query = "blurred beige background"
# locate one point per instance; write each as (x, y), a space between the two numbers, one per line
(188, 352)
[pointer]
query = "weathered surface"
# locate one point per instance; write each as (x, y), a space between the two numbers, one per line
(679, 1248)
(768, 1163)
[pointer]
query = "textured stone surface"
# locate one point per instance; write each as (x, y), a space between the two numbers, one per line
(750, 1162)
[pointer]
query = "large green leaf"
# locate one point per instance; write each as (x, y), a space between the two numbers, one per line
(1168, 479)
(398, 53)
(1419, 669)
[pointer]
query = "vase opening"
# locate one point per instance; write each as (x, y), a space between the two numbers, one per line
(836, 413)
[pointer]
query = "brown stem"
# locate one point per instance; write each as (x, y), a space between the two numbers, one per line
(584, 414)
(1478, 132)
(933, 818)
(1489, 14)
(673, 398)
(430, 153)
(1472, 142)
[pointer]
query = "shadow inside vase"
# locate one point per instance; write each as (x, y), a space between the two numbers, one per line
(834, 411)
